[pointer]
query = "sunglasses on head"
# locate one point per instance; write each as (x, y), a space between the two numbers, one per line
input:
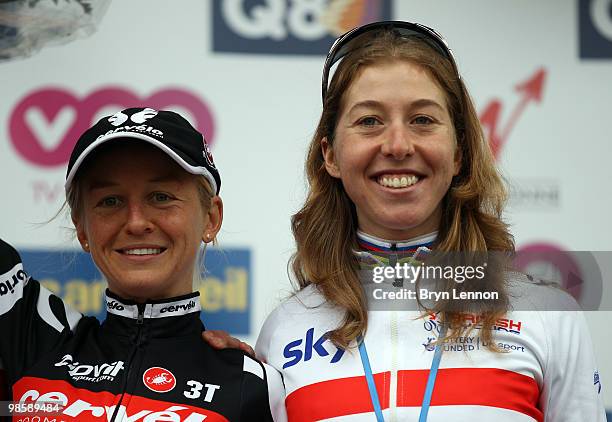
(343, 45)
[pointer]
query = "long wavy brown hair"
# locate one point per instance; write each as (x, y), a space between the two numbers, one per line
(325, 227)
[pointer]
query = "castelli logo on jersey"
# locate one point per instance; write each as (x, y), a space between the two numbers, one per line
(45, 124)
(159, 379)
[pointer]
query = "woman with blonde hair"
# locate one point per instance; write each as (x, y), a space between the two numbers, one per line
(400, 178)
(143, 193)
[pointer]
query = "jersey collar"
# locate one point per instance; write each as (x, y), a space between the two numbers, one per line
(371, 243)
(374, 251)
(176, 306)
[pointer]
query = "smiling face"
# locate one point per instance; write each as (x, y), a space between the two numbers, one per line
(394, 149)
(143, 221)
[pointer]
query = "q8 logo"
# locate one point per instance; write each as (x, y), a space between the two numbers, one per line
(595, 26)
(289, 26)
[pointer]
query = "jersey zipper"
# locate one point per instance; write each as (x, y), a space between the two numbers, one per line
(394, 367)
(128, 367)
(393, 258)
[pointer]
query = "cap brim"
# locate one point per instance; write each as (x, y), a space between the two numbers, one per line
(203, 171)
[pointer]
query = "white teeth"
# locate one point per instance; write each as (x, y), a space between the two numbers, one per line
(398, 181)
(144, 251)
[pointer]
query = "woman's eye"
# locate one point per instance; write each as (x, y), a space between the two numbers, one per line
(109, 201)
(369, 121)
(161, 197)
(423, 120)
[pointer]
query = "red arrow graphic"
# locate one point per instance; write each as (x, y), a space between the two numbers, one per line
(531, 90)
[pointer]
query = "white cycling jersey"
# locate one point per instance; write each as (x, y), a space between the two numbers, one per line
(546, 371)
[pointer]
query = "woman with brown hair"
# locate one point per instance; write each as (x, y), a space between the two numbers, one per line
(400, 178)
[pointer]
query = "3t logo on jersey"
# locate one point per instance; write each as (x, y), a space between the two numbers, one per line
(289, 26)
(294, 353)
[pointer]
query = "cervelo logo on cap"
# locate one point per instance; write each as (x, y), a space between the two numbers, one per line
(120, 118)
(159, 379)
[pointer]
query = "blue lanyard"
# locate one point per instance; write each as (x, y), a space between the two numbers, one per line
(431, 379)
(365, 361)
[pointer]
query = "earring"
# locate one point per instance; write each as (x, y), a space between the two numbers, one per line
(86, 246)
(207, 237)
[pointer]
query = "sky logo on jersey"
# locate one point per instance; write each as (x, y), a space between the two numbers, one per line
(225, 288)
(595, 29)
(295, 353)
(289, 26)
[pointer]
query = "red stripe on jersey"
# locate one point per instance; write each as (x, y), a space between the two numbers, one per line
(454, 387)
(84, 405)
(472, 386)
(337, 397)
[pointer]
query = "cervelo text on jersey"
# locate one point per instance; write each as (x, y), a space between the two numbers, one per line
(155, 310)
(114, 305)
(92, 373)
(176, 308)
(91, 406)
(293, 352)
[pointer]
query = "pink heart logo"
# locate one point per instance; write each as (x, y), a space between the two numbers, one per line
(45, 125)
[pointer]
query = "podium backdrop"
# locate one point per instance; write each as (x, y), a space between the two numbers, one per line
(247, 73)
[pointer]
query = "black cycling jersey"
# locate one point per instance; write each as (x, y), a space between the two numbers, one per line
(145, 362)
